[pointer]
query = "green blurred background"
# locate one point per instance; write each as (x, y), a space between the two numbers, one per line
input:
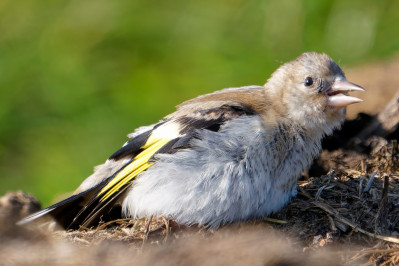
(77, 76)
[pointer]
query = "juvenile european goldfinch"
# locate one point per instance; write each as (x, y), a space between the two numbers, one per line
(223, 157)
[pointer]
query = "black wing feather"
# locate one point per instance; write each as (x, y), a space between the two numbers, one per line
(66, 210)
(132, 147)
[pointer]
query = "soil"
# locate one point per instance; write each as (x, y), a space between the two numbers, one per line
(346, 211)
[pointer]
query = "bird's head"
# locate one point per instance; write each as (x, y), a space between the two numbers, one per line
(312, 90)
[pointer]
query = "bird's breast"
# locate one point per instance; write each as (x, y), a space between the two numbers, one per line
(241, 171)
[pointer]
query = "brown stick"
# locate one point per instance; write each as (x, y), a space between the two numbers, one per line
(383, 209)
(325, 207)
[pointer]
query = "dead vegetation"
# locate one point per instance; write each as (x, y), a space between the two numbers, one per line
(356, 207)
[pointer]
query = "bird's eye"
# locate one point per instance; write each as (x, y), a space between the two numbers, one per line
(308, 81)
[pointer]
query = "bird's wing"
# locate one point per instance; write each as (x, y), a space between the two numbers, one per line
(169, 136)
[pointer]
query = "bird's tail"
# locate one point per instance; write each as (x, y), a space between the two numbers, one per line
(66, 212)
(99, 202)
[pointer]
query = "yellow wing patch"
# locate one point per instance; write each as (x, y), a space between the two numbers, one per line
(138, 165)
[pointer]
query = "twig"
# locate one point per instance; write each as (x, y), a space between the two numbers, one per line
(166, 229)
(320, 190)
(147, 229)
(100, 227)
(361, 253)
(304, 193)
(332, 223)
(383, 209)
(368, 186)
(325, 207)
(146, 233)
(361, 186)
(371, 251)
(272, 220)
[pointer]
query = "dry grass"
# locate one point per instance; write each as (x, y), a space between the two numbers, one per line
(348, 216)
(355, 206)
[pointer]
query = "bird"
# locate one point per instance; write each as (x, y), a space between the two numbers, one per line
(224, 157)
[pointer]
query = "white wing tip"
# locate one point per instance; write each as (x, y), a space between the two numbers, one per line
(34, 216)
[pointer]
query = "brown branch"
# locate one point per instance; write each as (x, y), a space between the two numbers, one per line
(325, 207)
(382, 213)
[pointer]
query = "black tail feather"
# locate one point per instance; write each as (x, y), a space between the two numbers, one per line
(84, 209)
(65, 210)
(81, 209)
(102, 210)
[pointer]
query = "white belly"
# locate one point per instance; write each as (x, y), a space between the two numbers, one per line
(238, 173)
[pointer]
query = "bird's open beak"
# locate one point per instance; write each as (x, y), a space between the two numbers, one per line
(337, 94)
